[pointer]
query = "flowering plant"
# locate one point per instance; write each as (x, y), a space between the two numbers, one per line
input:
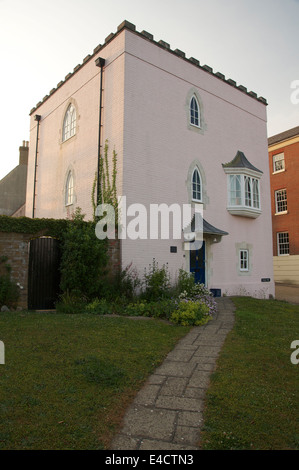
(191, 313)
(199, 293)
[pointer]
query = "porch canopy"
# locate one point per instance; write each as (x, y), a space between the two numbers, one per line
(200, 226)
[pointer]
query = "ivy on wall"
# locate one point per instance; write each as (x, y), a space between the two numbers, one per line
(84, 257)
(107, 183)
(49, 227)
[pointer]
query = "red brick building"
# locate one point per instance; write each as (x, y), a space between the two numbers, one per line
(284, 178)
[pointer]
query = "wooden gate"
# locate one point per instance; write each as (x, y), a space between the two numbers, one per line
(43, 273)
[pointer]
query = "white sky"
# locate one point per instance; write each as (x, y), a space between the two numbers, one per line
(254, 42)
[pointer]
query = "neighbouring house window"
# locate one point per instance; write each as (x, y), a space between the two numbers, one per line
(244, 265)
(278, 162)
(196, 186)
(244, 191)
(69, 189)
(194, 112)
(283, 245)
(69, 123)
(281, 201)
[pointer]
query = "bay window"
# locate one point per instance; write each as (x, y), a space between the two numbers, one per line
(244, 195)
(243, 183)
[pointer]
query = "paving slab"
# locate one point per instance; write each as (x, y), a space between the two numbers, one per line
(167, 413)
(179, 403)
(174, 386)
(152, 423)
(175, 369)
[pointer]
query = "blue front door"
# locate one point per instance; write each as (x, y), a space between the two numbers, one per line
(197, 264)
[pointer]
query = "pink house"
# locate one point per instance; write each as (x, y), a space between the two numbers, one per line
(184, 135)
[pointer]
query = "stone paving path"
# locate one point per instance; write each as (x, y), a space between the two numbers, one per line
(167, 412)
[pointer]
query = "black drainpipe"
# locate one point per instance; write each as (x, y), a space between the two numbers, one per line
(37, 118)
(100, 62)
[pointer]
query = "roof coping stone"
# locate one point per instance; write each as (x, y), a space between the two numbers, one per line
(126, 24)
(164, 44)
(147, 35)
(180, 53)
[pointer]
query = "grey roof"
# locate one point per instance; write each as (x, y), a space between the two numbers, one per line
(208, 229)
(240, 161)
(283, 135)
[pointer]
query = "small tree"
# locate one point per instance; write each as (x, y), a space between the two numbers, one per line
(84, 258)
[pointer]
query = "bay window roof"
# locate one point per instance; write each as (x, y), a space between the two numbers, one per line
(240, 162)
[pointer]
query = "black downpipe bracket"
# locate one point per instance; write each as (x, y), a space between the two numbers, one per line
(37, 118)
(100, 62)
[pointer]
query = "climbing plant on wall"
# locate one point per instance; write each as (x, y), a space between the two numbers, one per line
(107, 182)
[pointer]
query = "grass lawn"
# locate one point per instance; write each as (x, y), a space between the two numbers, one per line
(253, 400)
(67, 379)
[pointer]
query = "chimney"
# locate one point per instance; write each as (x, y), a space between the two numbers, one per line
(24, 149)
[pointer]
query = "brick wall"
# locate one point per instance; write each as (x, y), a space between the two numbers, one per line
(114, 253)
(15, 246)
(288, 179)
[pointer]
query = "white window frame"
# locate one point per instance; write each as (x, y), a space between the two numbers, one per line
(244, 260)
(193, 111)
(256, 198)
(69, 189)
(285, 243)
(279, 157)
(281, 200)
(196, 170)
(247, 193)
(235, 190)
(243, 192)
(69, 123)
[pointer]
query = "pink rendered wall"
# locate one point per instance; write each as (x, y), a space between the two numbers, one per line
(159, 149)
(79, 152)
(145, 118)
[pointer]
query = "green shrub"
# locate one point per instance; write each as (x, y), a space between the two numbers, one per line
(139, 308)
(162, 308)
(119, 304)
(123, 285)
(159, 309)
(71, 302)
(84, 259)
(156, 282)
(99, 307)
(185, 282)
(191, 313)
